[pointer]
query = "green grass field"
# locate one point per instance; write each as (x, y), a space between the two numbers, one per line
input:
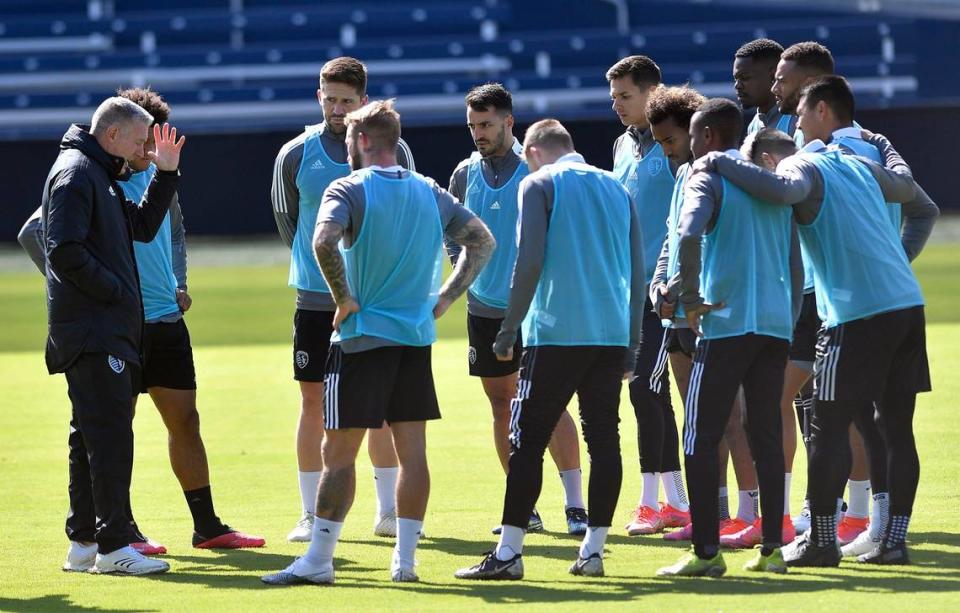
(241, 326)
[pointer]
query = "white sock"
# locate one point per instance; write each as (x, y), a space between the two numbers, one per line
(858, 504)
(748, 505)
(674, 490)
(593, 542)
(385, 480)
(408, 534)
(787, 478)
(572, 488)
(879, 516)
(723, 504)
(839, 510)
(651, 487)
(511, 543)
(322, 543)
(309, 481)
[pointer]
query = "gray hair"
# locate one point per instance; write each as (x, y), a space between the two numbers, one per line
(117, 110)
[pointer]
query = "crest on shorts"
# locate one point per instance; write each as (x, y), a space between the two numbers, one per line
(472, 355)
(116, 364)
(302, 358)
(655, 166)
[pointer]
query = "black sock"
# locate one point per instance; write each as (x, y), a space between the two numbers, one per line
(706, 552)
(766, 549)
(205, 521)
(823, 530)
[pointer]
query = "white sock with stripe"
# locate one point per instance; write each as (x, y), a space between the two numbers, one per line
(674, 491)
(748, 508)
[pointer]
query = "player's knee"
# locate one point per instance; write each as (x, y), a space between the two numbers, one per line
(311, 398)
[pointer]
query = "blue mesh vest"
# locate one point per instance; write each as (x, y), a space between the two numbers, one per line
(673, 240)
(158, 285)
(498, 209)
(865, 149)
(583, 297)
(746, 265)
(650, 183)
(393, 266)
(860, 268)
(783, 124)
(317, 171)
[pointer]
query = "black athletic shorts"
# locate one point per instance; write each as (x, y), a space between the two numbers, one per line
(392, 384)
(167, 357)
(481, 333)
(805, 333)
(311, 343)
(868, 359)
(680, 339)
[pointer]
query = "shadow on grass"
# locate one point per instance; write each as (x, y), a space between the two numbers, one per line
(55, 602)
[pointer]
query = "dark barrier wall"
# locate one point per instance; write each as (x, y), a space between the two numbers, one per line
(225, 188)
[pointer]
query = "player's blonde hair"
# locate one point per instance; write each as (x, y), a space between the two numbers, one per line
(379, 122)
(548, 134)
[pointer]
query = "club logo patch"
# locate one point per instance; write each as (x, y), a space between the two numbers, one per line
(472, 355)
(116, 364)
(302, 358)
(656, 165)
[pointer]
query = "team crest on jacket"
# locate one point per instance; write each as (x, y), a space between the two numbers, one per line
(656, 165)
(472, 355)
(302, 358)
(116, 364)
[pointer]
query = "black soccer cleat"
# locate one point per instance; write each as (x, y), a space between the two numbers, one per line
(804, 552)
(887, 556)
(492, 569)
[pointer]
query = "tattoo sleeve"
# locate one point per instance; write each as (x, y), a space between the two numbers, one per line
(326, 241)
(478, 244)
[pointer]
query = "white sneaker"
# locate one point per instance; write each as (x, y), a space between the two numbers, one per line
(303, 530)
(80, 557)
(386, 524)
(128, 561)
(864, 543)
(400, 573)
(298, 573)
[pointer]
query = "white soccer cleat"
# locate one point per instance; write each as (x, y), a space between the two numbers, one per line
(591, 566)
(386, 524)
(80, 557)
(863, 544)
(300, 573)
(127, 561)
(303, 530)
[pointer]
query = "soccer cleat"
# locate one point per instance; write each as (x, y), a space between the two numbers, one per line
(534, 525)
(127, 561)
(386, 524)
(850, 528)
(789, 532)
(646, 520)
(692, 566)
(772, 563)
(149, 547)
(673, 517)
(886, 556)
(492, 569)
(801, 523)
(804, 552)
(303, 530)
(295, 574)
(80, 557)
(864, 543)
(732, 525)
(747, 538)
(401, 574)
(683, 534)
(591, 566)
(230, 540)
(576, 521)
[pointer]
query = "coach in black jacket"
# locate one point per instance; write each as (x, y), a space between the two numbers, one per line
(95, 314)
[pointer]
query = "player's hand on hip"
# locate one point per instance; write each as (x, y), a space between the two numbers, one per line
(184, 301)
(667, 309)
(441, 307)
(344, 310)
(695, 312)
(167, 153)
(504, 357)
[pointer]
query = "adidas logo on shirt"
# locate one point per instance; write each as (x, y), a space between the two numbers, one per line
(495, 206)
(317, 165)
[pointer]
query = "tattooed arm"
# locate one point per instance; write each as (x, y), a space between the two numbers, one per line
(478, 245)
(326, 247)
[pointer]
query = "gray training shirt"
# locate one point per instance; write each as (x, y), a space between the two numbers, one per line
(344, 203)
(285, 195)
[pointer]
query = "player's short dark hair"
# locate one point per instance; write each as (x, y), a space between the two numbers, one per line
(835, 92)
(677, 103)
(724, 117)
(148, 100)
(761, 50)
(810, 56)
(347, 70)
(640, 68)
(768, 140)
(482, 97)
(548, 134)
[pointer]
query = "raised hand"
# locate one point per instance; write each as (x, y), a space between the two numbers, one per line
(167, 153)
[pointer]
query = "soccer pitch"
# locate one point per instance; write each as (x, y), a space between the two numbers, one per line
(241, 326)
